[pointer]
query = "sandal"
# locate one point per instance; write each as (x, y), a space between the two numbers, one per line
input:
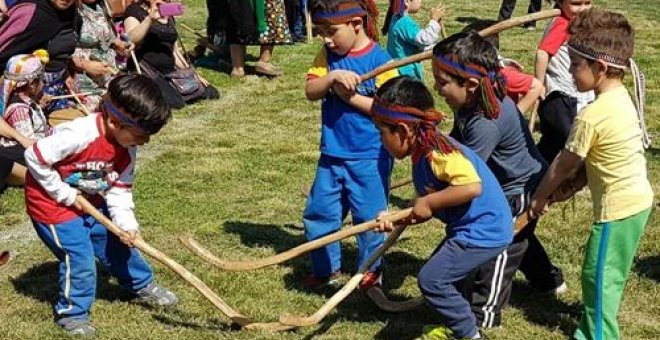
(267, 69)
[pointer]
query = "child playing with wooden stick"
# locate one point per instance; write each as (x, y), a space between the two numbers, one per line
(405, 37)
(608, 138)
(353, 170)
(455, 186)
(91, 156)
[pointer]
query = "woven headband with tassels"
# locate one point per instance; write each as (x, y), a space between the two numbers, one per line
(491, 86)
(428, 138)
(348, 10)
(639, 80)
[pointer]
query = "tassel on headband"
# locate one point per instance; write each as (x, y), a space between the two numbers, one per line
(428, 138)
(492, 86)
(639, 80)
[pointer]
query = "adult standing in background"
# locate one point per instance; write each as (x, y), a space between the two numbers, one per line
(506, 10)
(256, 22)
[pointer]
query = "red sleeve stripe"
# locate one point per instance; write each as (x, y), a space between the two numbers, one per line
(38, 153)
(122, 185)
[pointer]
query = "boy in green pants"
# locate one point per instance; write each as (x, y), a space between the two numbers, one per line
(608, 137)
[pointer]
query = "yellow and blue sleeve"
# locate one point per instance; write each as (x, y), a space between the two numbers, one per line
(384, 77)
(319, 66)
(453, 168)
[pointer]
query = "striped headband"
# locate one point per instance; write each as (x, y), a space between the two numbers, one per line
(124, 119)
(398, 113)
(591, 54)
(447, 64)
(344, 13)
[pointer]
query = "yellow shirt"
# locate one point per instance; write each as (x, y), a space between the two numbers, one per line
(607, 135)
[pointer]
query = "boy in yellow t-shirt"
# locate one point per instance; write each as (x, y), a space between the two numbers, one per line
(608, 137)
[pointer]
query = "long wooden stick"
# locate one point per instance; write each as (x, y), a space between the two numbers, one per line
(189, 277)
(67, 96)
(500, 26)
(191, 30)
(83, 108)
(291, 253)
(347, 289)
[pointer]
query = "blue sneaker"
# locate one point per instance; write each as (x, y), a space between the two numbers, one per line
(157, 295)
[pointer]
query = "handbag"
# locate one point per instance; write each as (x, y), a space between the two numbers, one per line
(186, 82)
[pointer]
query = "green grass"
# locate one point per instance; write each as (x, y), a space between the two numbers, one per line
(229, 172)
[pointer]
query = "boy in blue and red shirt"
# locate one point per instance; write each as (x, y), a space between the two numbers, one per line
(353, 171)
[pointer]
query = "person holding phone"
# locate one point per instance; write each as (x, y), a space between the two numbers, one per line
(158, 50)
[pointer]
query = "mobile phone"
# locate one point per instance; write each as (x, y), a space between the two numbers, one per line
(170, 9)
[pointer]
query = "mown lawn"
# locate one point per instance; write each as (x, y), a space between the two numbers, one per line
(229, 172)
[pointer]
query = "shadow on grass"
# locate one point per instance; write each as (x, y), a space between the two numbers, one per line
(177, 320)
(40, 283)
(468, 20)
(399, 202)
(545, 310)
(648, 267)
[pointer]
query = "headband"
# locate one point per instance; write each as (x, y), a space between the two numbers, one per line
(124, 119)
(492, 87)
(344, 13)
(21, 70)
(591, 54)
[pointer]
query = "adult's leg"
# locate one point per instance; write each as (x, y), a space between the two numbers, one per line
(609, 256)
(324, 212)
(506, 9)
(237, 60)
(264, 65)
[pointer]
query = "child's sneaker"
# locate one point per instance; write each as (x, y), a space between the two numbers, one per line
(559, 290)
(313, 282)
(157, 295)
(80, 327)
(371, 279)
(439, 332)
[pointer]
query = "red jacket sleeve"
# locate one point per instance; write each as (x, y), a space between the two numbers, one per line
(555, 36)
(517, 83)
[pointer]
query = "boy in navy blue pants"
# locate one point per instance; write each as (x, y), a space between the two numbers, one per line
(91, 156)
(353, 171)
(455, 186)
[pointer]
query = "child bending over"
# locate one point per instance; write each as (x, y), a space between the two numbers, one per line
(94, 156)
(608, 138)
(455, 186)
(353, 171)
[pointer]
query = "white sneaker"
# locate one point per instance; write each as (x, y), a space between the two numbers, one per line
(559, 290)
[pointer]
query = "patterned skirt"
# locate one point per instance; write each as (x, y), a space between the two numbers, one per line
(241, 25)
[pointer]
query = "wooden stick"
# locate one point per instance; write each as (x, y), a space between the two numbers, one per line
(308, 23)
(135, 61)
(191, 30)
(291, 253)
(67, 96)
(5, 257)
(83, 108)
(189, 277)
(347, 289)
(500, 26)
(532, 117)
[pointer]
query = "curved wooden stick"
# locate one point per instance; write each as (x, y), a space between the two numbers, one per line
(291, 253)
(348, 287)
(377, 295)
(189, 277)
(499, 27)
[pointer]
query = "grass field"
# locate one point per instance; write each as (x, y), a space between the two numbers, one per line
(230, 171)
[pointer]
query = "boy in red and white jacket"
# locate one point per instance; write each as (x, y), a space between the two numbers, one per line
(94, 156)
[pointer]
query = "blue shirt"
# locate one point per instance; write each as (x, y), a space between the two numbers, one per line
(485, 221)
(346, 132)
(505, 144)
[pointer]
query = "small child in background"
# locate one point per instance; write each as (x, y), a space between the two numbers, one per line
(608, 137)
(562, 99)
(523, 88)
(466, 72)
(455, 186)
(23, 99)
(353, 170)
(405, 37)
(90, 156)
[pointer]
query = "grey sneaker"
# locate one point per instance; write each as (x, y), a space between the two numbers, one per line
(80, 327)
(157, 295)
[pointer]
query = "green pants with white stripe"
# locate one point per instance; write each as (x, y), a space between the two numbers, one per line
(609, 256)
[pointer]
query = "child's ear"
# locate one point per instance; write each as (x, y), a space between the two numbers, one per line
(602, 67)
(357, 23)
(404, 130)
(471, 84)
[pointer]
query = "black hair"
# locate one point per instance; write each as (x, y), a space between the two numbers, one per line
(140, 98)
(406, 91)
(482, 24)
(469, 48)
